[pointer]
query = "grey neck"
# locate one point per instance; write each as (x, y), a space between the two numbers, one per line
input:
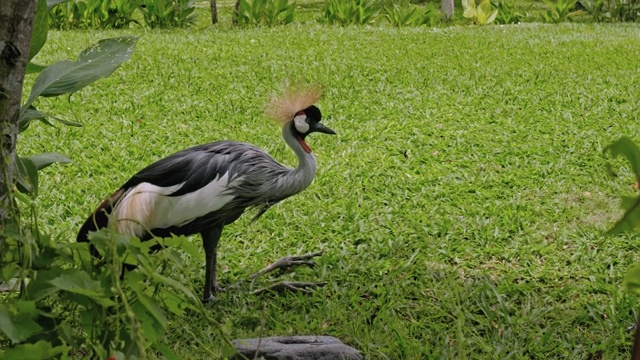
(302, 176)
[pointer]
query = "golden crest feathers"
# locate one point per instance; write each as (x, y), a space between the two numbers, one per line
(292, 100)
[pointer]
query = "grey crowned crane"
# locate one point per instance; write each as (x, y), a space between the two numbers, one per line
(201, 189)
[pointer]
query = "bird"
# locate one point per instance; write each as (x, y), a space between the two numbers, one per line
(202, 189)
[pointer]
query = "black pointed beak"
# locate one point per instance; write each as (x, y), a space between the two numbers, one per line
(319, 127)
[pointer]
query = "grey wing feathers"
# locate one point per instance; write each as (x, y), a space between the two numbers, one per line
(198, 166)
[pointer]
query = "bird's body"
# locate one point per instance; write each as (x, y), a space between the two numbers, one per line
(204, 188)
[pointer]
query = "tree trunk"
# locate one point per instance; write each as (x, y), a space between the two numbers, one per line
(16, 24)
(214, 12)
(447, 8)
(236, 12)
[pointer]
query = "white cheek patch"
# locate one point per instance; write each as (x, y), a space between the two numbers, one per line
(300, 122)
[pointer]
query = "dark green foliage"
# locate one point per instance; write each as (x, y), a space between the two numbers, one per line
(94, 14)
(611, 11)
(350, 12)
(401, 15)
(560, 11)
(116, 14)
(628, 10)
(265, 12)
(168, 13)
(595, 8)
(64, 301)
(508, 13)
(68, 290)
(626, 148)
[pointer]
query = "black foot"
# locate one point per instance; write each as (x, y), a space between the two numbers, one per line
(215, 289)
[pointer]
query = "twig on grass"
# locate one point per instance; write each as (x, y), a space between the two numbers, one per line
(287, 262)
(303, 287)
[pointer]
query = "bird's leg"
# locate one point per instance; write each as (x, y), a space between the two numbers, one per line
(210, 240)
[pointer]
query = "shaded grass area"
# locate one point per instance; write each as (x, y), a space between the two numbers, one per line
(461, 206)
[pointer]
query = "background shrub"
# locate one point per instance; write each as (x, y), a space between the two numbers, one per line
(93, 14)
(508, 12)
(350, 12)
(265, 12)
(168, 13)
(410, 15)
(119, 14)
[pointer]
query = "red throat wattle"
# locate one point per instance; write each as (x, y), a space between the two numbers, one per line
(304, 145)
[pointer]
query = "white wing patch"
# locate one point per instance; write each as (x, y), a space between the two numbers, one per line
(147, 206)
(300, 122)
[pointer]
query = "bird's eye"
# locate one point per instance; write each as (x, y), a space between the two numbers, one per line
(307, 120)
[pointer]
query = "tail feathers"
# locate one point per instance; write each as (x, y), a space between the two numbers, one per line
(99, 219)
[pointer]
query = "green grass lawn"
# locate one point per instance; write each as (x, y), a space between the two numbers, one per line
(460, 208)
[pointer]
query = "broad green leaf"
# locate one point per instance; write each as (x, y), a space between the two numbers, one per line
(18, 325)
(30, 113)
(34, 68)
(228, 350)
(630, 219)
(175, 284)
(40, 350)
(93, 63)
(628, 149)
(27, 115)
(79, 282)
(52, 3)
(627, 202)
(40, 29)
(135, 280)
(469, 7)
(43, 160)
(152, 307)
(39, 288)
(166, 351)
(485, 6)
(184, 244)
(632, 280)
(8, 270)
(492, 17)
(26, 176)
(150, 327)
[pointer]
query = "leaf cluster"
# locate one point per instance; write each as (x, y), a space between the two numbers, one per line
(118, 14)
(64, 77)
(560, 11)
(507, 12)
(630, 220)
(168, 13)
(265, 12)
(401, 15)
(483, 14)
(609, 10)
(350, 12)
(74, 304)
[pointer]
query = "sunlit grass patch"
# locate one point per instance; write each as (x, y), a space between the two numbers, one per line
(451, 206)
